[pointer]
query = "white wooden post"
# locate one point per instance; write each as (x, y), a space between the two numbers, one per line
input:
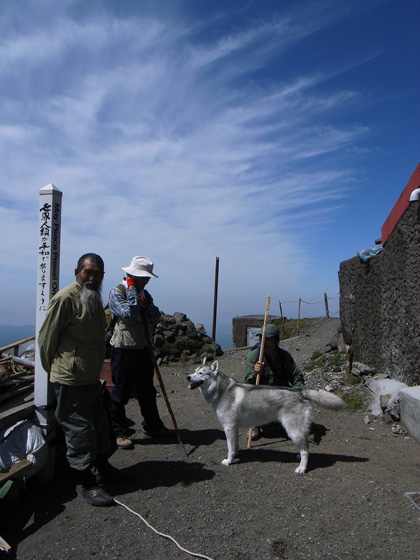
(47, 285)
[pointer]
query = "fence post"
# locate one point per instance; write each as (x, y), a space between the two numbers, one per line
(281, 317)
(297, 328)
(216, 284)
(326, 306)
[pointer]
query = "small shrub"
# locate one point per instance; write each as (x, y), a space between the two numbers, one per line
(337, 358)
(351, 379)
(316, 355)
(288, 327)
(314, 361)
(353, 403)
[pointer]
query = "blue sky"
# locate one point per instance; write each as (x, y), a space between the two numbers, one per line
(274, 135)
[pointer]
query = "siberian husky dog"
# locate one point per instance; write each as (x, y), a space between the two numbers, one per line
(242, 405)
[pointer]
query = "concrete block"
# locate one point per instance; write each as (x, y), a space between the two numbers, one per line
(410, 410)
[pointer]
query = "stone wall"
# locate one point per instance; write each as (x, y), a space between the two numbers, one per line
(380, 303)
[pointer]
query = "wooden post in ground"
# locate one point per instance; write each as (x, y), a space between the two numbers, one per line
(281, 317)
(297, 328)
(216, 284)
(326, 306)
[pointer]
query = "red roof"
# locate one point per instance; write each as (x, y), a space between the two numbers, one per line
(401, 205)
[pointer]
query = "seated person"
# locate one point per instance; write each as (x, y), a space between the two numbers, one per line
(278, 368)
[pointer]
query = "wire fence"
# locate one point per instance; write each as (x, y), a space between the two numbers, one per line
(318, 307)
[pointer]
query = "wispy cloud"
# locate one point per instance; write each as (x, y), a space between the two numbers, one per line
(169, 140)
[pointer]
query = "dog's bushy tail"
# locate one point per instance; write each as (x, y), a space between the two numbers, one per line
(324, 399)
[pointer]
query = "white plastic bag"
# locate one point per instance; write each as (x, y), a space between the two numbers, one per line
(23, 440)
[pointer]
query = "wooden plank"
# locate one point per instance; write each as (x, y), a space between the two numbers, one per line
(12, 384)
(12, 393)
(4, 545)
(18, 470)
(14, 344)
(22, 376)
(11, 416)
(17, 401)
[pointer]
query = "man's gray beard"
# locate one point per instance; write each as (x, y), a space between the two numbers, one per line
(91, 299)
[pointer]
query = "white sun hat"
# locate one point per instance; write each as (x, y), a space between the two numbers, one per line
(140, 266)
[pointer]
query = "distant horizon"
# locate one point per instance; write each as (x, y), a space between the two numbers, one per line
(224, 334)
(9, 334)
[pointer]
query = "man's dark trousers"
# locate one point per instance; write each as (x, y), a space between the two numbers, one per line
(133, 368)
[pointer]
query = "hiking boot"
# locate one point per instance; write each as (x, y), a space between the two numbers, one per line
(98, 497)
(160, 432)
(124, 443)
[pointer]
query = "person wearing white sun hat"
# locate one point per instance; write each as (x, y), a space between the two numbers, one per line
(131, 363)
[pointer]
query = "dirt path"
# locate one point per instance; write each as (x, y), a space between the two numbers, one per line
(351, 503)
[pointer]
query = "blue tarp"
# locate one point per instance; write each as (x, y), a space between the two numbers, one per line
(366, 254)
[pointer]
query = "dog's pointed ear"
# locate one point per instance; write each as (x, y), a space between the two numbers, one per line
(215, 366)
(204, 361)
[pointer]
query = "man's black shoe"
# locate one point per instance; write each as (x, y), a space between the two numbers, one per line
(98, 497)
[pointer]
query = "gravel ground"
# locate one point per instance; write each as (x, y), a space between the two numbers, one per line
(350, 504)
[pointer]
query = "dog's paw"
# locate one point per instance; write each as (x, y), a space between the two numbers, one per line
(226, 462)
(300, 470)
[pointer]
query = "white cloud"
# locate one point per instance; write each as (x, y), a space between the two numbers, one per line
(166, 142)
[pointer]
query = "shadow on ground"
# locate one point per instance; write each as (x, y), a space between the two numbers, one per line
(316, 460)
(196, 439)
(40, 501)
(146, 475)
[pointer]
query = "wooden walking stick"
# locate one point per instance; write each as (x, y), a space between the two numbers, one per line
(162, 386)
(260, 359)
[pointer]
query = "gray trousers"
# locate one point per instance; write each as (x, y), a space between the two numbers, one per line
(81, 414)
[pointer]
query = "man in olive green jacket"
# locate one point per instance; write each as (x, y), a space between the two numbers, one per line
(72, 350)
(277, 367)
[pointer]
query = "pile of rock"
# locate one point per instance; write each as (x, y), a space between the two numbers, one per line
(329, 370)
(177, 338)
(379, 394)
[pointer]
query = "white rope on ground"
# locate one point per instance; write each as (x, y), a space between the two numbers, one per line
(163, 534)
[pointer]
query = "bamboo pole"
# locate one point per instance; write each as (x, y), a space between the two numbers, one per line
(257, 381)
(159, 377)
